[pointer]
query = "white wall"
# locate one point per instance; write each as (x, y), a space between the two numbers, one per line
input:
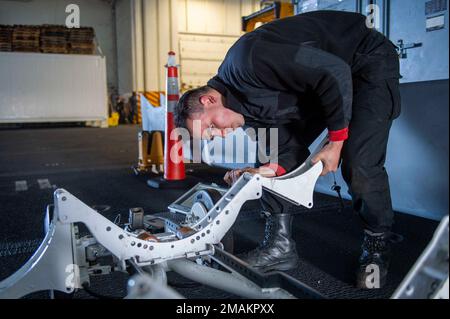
(93, 13)
(207, 29)
(214, 16)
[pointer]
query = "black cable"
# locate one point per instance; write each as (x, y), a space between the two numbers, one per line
(337, 189)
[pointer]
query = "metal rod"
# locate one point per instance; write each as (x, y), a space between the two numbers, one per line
(224, 281)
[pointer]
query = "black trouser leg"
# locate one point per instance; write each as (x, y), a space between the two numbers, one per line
(376, 103)
(363, 169)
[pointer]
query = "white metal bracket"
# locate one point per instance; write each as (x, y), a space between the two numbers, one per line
(52, 266)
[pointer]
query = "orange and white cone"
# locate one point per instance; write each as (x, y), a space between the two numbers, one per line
(173, 149)
(174, 169)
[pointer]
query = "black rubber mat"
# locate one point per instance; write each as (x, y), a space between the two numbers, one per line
(95, 166)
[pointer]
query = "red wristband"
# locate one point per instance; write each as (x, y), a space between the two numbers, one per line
(337, 136)
(279, 170)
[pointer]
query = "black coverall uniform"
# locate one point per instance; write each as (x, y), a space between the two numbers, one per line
(323, 69)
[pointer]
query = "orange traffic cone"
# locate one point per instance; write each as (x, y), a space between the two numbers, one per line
(174, 169)
(173, 149)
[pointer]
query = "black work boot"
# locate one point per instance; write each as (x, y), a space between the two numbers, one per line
(277, 252)
(374, 261)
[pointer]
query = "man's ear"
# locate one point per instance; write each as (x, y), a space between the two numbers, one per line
(207, 100)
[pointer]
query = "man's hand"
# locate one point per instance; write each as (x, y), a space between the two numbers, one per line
(232, 176)
(330, 156)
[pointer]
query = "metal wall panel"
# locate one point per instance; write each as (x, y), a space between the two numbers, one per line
(418, 152)
(340, 5)
(217, 17)
(201, 56)
(404, 20)
(408, 22)
(207, 29)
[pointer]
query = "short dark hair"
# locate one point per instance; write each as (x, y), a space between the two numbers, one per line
(189, 104)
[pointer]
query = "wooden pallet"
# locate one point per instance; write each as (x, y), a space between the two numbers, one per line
(81, 41)
(47, 39)
(26, 28)
(54, 31)
(54, 39)
(6, 32)
(4, 48)
(26, 42)
(34, 50)
(24, 34)
(25, 38)
(80, 35)
(55, 50)
(82, 51)
(82, 45)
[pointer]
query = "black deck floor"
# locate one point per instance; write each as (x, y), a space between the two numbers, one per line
(95, 165)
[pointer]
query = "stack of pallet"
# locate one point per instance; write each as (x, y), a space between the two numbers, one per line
(81, 41)
(6, 38)
(54, 39)
(25, 38)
